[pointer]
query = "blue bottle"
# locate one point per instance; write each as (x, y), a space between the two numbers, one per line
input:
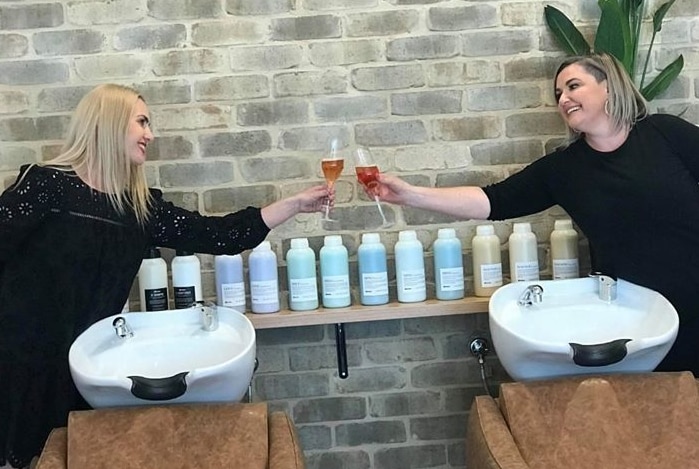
(334, 273)
(448, 265)
(264, 281)
(410, 268)
(230, 283)
(373, 270)
(301, 274)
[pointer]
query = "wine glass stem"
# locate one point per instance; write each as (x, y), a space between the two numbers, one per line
(378, 204)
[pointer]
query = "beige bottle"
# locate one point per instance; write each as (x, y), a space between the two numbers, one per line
(524, 258)
(564, 250)
(487, 264)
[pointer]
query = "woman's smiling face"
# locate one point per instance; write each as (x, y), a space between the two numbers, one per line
(139, 134)
(581, 98)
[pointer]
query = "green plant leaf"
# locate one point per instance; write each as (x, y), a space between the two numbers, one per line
(613, 34)
(663, 80)
(564, 31)
(659, 15)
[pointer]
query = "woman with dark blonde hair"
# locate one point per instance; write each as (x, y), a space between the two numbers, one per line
(73, 231)
(628, 179)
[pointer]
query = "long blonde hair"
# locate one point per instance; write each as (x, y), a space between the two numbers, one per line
(95, 147)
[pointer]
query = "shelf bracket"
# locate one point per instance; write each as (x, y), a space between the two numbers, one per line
(341, 347)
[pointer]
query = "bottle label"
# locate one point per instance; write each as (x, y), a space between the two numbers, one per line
(565, 268)
(375, 284)
(264, 291)
(451, 279)
(413, 281)
(491, 275)
(336, 286)
(156, 299)
(233, 294)
(526, 271)
(184, 297)
(303, 289)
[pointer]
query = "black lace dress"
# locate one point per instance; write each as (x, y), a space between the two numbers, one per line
(67, 260)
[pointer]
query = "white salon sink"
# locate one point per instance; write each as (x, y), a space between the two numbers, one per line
(169, 359)
(571, 331)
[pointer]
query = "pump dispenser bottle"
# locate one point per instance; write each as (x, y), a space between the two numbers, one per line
(186, 279)
(487, 264)
(152, 282)
(564, 250)
(373, 270)
(524, 259)
(301, 274)
(230, 284)
(410, 268)
(448, 265)
(334, 273)
(264, 279)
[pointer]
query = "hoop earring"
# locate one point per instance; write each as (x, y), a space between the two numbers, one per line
(606, 107)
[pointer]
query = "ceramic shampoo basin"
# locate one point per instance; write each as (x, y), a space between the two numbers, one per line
(169, 359)
(572, 331)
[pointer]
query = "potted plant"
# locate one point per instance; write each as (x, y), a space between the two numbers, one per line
(618, 33)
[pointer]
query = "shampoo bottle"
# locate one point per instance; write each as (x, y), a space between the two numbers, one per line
(410, 268)
(448, 265)
(373, 270)
(186, 279)
(152, 282)
(524, 258)
(230, 284)
(301, 272)
(264, 280)
(564, 250)
(487, 264)
(334, 273)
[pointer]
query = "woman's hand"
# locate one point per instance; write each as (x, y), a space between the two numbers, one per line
(393, 189)
(307, 201)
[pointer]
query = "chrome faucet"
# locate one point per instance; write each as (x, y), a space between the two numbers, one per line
(208, 314)
(532, 294)
(122, 329)
(606, 286)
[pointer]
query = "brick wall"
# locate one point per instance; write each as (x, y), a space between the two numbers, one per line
(244, 95)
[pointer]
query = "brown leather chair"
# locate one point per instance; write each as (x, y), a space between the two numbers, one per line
(639, 421)
(173, 437)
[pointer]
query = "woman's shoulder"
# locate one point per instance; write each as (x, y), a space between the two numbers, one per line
(662, 120)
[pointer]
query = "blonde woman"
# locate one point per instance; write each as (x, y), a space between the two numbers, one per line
(73, 231)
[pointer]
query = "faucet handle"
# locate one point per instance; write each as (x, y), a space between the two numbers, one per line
(606, 284)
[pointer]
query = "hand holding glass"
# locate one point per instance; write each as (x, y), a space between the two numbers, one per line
(367, 170)
(332, 167)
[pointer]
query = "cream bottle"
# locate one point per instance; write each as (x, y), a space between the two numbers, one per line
(487, 263)
(564, 250)
(524, 258)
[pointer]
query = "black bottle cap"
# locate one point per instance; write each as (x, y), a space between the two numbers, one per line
(183, 253)
(152, 253)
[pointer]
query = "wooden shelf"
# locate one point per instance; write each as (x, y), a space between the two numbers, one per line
(360, 313)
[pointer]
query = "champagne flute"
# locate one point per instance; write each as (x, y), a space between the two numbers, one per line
(367, 170)
(332, 166)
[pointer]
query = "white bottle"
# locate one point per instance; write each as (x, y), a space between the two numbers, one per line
(186, 279)
(334, 273)
(487, 264)
(448, 265)
(301, 274)
(564, 250)
(152, 282)
(230, 283)
(410, 268)
(264, 279)
(373, 270)
(524, 257)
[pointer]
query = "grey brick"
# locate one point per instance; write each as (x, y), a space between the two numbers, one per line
(448, 427)
(207, 116)
(467, 128)
(373, 379)
(417, 217)
(531, 69)
(13, 102)
(44, 15)
(507, 152)
(109, 67)
(234, 31)
(258, 7)
(413, 2)
(309, 83)
(311, 138)
(314, 437)
(81, 41)
(460, 399)
(274, 168)
(32, 129)
(291, 335)
(184, 9)
(401, 351)
(463, 73)
(282, 112)
(232, 88)
(404, 403)
(333, 53)
(169, 148)
(456, 454)
(305, 27)
(187, 200)
(414, 456)
(270, 360)
(272, 57)
(381, 432)
(372, 329)
(319, 357)
(534, 124)
(13, 46)
(388, 77)
(235, 144)
(486, 44)
(497, 98)
(338, 460)
(350, 108)
(329, 409)
(391, 133)
(426, 102)
(165, 92)
(432, 375)
(337, 4)
(61, 99)
(423, 47)
(236, 198)
(460, 18)
(12, 157)
(33, 72)
(285, 386)
(521, 14)
(98, 12)
(150, 37)
(184, 62)
(196, 174)
(383, 23)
